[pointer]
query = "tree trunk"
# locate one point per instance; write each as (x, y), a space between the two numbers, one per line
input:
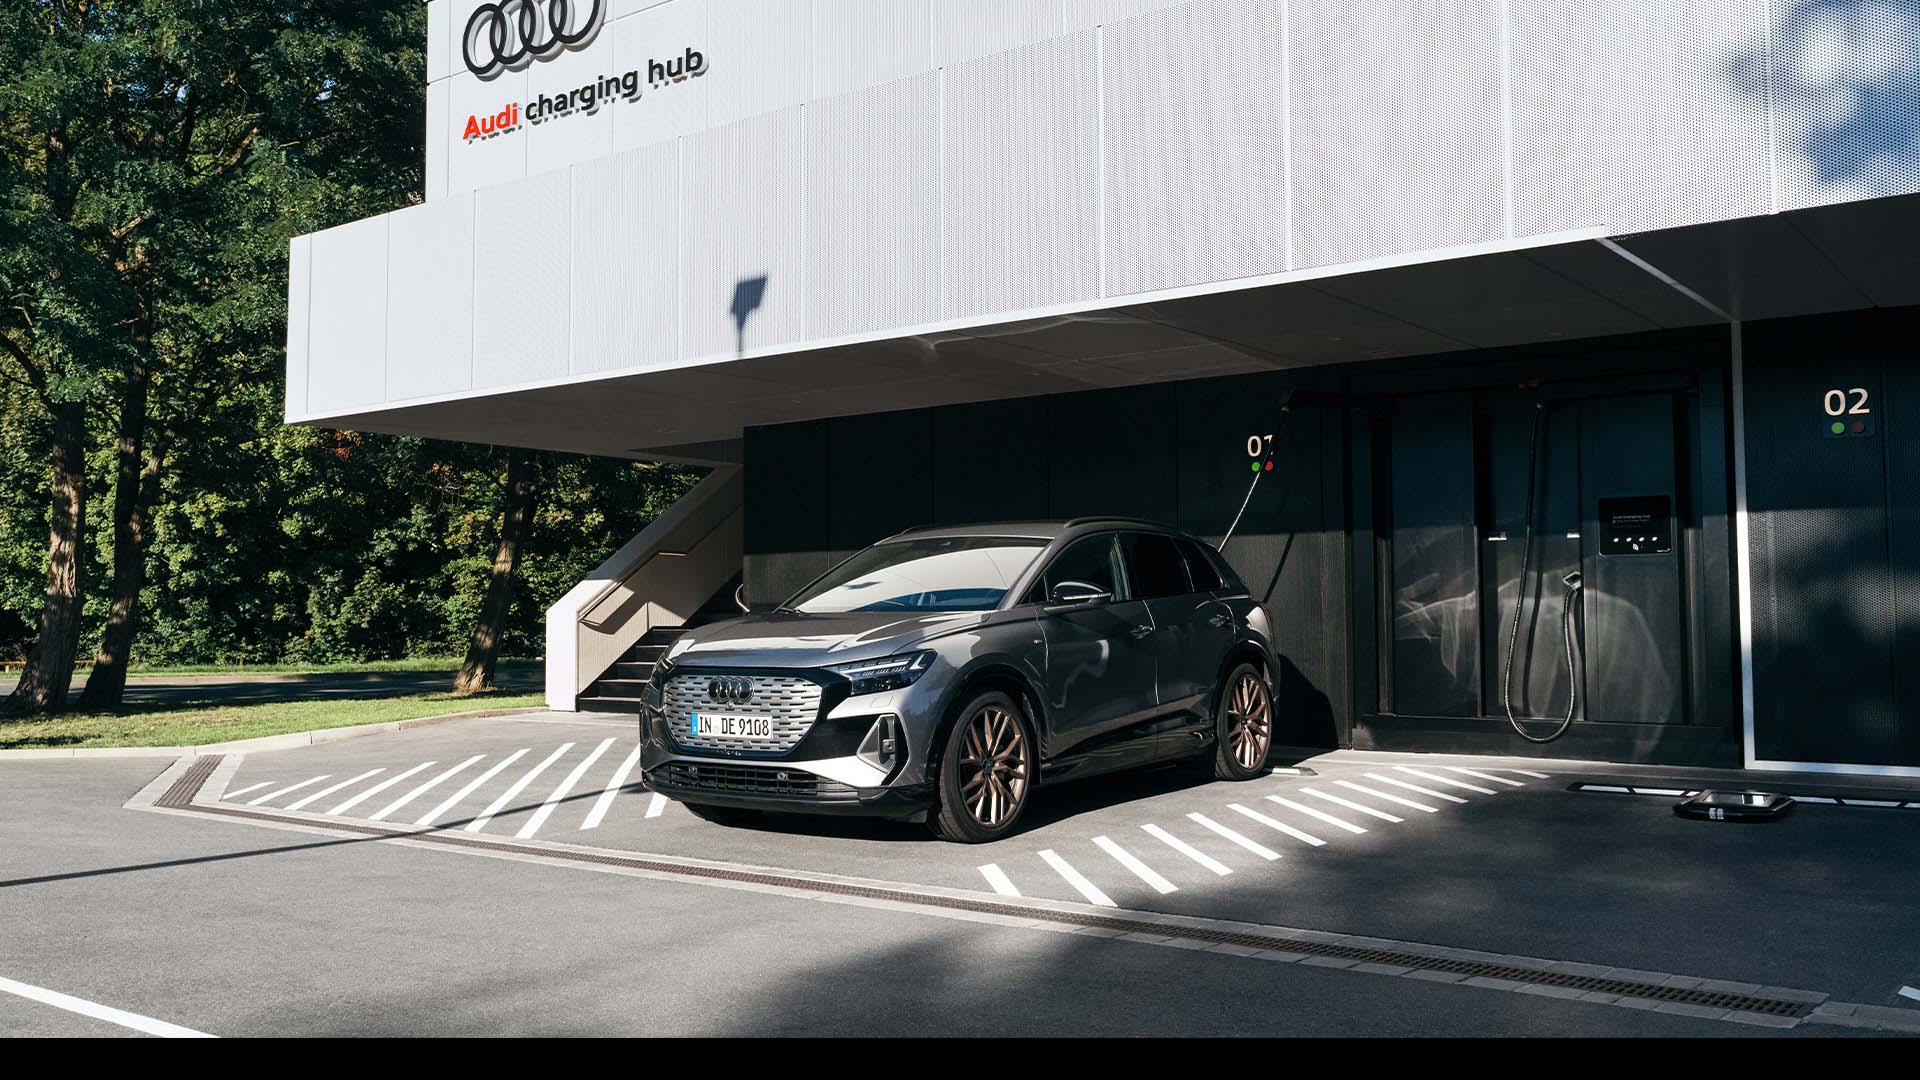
(43, 685)
(483, 651)
(134, 487)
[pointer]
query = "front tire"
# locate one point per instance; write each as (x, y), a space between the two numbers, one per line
(987, 772)
(1243, 724)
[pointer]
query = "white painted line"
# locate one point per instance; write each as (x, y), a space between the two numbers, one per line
(394, 807)
(998, 878)
(657, 806)
(1277, 826)
(1881, 803)
(1441, 795)
(1670, 792)
(326, 791)
(1910, 993)
(1525, 772)
(1395, 799)
(1233, 836)
(1184, 848)
(1351, 805)
(290, 789)
(1338, 823)
(133, 1021)
(1486, 776)
(453, 800)
(1073, 877)
(244, 790)
(513, 792)
(1604, 787)
(1447, 780)
(1140, 870)
(605, 801)
(377, 789)
(1798, 798)
(541, 815)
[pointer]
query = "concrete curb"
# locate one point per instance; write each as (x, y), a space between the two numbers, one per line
(264, 742)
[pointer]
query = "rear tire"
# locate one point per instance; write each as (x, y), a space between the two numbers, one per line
(723, 815)
(1243, 724)
(987, 772)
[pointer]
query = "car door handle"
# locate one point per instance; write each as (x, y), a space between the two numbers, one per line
(1141, 633)
(1220, 620)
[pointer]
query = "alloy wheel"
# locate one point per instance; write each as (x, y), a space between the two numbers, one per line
(1249, 721)
(993, 766)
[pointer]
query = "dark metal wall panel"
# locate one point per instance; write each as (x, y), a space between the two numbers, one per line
(786, 530)
(1823, 609)
(880, 476)
(990, 461)
(1434, 587)
(1112, 453)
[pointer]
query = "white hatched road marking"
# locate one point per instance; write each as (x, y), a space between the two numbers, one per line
(657, 805)
(1416, 787)
(1351, 805)
(1486, 776)
(1524, 772)
(288, 790)
(133, 1021)
(453, 800)
(341, 786)
(541, 815)
(1910, 993)
(1336, 822)
(1255, 815)
(394, 807)
(1184, 848)
(1233, 836)
(1074, 878)
(998, 878)
(605, 801)
(1131, 862)
(377, 789)
(245, 790)
(1447, 780)
(513, 792)
(1377, 794)
(1279, 825)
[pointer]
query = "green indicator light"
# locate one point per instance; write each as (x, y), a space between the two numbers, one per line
(1256, 466)
(1839, 428)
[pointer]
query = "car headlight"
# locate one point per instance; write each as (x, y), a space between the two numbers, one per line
(878, 676)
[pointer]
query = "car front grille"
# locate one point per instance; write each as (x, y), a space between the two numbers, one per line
(753, 780)
(791, 703)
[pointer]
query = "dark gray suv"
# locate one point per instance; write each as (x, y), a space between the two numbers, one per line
(944, 674)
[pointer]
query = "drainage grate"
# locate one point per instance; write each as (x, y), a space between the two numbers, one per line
(180, 796)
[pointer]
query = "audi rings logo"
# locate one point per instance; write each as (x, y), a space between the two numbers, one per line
(510, 34)
(730, 691)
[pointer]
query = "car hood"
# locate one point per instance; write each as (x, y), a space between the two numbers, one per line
(792, 639)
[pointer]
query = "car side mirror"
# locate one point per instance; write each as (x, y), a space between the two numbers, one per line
(1078, 594)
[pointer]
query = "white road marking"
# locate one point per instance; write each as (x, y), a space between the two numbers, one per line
(1073, 877)
(998, 878)
(1447, 780)
(394, 807)
(1140, 870)
(288, 790)
(656, 807)
(454, 800)
(134, 1021)
(1351, 805)
(513, 792)
(541, 815)
(605, 801)
(1910, 992)
(1486, 776)
(244, 790)
(1184, 848)
(326, 791)
(1233, 836)
(1378, 794)
(1336, 822)
(1416, 787)
(1524, 772)
(1279, 825)
(377, 789)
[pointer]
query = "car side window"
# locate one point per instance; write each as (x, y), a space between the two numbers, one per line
(1092, 561)
(1205, 577)
(1154, 566)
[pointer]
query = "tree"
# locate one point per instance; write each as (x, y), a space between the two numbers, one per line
(516, 517)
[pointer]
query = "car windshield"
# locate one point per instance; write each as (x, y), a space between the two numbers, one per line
(953, 573)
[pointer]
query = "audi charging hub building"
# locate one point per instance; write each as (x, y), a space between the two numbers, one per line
(1570, 342)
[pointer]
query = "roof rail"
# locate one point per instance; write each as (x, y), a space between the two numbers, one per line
(1119, 519)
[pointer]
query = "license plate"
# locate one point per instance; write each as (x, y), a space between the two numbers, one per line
(722, 726)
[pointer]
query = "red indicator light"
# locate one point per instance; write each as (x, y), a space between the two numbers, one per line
(1859, 426)
(1269, 466)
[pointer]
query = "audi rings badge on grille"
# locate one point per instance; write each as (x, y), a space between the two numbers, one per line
(512, 33)
(731, 691)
